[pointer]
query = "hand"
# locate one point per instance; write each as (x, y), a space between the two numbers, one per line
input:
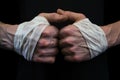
(46, 48)
(68, 15)
(72, 42)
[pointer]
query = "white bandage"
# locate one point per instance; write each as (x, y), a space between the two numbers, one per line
(27, 36)
(94, 36)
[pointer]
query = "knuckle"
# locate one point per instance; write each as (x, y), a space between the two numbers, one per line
(67, 28)
(52, 28)
(53, 43)
(48, 30)
(76, 58)
(69, 40)
(43, 42)
(52, 31)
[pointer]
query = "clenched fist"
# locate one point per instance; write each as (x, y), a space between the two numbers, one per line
(46, 48)
(72, 42)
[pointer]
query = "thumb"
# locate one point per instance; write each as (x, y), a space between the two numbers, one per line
(71, 15)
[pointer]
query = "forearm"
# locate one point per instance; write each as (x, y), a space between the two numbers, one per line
(112, 32)
(7, 32)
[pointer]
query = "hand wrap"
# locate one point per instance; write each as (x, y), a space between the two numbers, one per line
(94, 36)
(27, 36)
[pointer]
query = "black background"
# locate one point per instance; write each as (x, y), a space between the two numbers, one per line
(112, 14)
(9, 59)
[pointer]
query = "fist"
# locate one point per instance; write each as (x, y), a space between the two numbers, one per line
(73, 45)
(46, 48)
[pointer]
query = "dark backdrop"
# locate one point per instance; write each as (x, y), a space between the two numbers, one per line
(18, 11)
(112, 14)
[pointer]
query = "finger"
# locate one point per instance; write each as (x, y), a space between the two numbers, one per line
(79, 55)
(69, 30)
(54, 17)
(77, 58)
(68, 51)
(60, 11)
(73, 41)
(45, 43)
(50, 31)
(47, 52)
(71, 15)
(44, 59)
(67, 42)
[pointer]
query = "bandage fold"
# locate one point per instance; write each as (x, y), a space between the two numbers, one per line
(94, 36)
(27, 36)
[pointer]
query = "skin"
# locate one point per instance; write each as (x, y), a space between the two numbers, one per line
(46, 48)
(71, 41)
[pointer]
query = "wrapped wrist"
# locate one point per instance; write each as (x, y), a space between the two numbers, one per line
(27, 36)
(94, 36)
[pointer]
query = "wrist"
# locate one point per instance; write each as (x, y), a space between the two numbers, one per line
(106, 30)
(7, 32)
(112, 32)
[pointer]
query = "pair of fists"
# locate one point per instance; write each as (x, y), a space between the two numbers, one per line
(70, 39)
